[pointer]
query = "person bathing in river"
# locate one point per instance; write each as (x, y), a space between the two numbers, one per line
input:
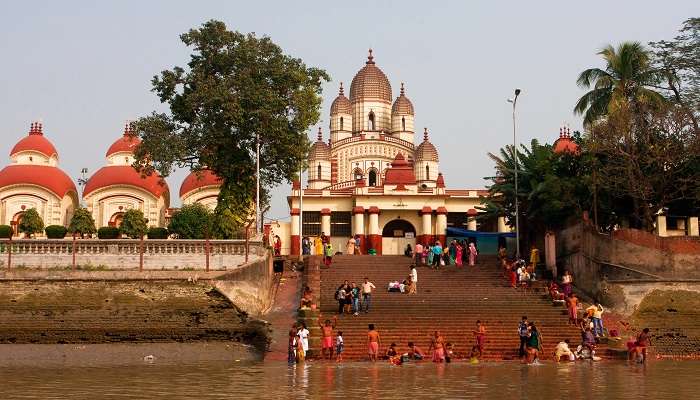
(339, 347)
(563, 349)
(373, 342)
(438, 347)
(414, 352)
(534, 344)
(479, 336)
(327, 332)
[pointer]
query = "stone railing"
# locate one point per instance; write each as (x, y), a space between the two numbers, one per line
(342, 185)
(384, 137)
(128, 253)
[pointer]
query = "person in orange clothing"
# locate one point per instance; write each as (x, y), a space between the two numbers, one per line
(374, 341)
(327, 331)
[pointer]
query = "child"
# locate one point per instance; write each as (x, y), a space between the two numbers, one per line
(339, 347)
(479, 336)
(449, 352)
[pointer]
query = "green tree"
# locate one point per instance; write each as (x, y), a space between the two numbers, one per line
(82, 223)
(236, 88)
(624, 84)
(134, 225)
(227, 225)
(31, 222)
(193, 221)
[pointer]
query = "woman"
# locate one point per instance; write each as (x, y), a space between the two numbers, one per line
(329, 255)
(472, 254)
(278, 245)
(430, 256)
(534, 344)
(318, 246)
(408, 252)
(438, 346)
(306, 246)
(567, 282)
(458, 255)
(350, 247)
(465, 252)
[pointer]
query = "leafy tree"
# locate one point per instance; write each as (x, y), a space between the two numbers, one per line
(133, 224)
(623, 84)
(193, 221)
(236, 88)
(31, 222)
(226, 225)
(82, 223)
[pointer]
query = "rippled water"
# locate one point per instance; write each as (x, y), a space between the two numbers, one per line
(268, 380)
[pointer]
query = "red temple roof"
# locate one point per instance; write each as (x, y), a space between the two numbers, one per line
(196, 180)
(125, 175)
(50, 178)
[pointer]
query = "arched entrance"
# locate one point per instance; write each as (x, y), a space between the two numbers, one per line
(396, 234)
(116, 219)
(16, 220)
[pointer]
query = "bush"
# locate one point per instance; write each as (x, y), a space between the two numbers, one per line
(193, 221)
(108, 232)
(82, 222)
(56, 231)
(157, 233)
(5, 231)
(31, 222)
(133, 224)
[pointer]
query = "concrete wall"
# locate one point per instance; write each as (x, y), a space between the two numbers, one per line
(249, 286)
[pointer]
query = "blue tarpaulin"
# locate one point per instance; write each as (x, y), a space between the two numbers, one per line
(486, 242)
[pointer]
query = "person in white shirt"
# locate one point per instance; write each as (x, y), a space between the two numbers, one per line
(562, 349)
(367, 287)
(303, 336)
(414, 276)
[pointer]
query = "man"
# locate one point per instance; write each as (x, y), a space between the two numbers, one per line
(327, 332)
(303, 340)
(367, 287)
(306, 246)
(418, 254)
(414, 277)
(414, 352)
(437, 255)
(373, 342)
(563, 349)
(479, 336)
(328, 254)
(523, 333)
(640, 346)
(572, 308)
(358, 250)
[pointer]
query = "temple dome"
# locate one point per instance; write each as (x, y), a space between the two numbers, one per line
(50, 178)
(125, 144)
(370, 83)
(565, 144)
(199, 179)
(402, 105)
(341, 104)
(36, 142)
(126, 175)
(426, 151)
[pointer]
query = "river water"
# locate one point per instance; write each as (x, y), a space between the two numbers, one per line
(272, 380)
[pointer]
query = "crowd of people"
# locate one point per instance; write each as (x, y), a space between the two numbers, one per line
(353, 298)
(458, 252)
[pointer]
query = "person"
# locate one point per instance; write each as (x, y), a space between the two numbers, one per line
(299, 348)
(554, 293)
(446, 259)
(502, 255)
(408, 251)
(358, 242)
(418, 254)
(414, 352)
(597, 318)
(458, 255)
(318, 246)
(327, 332)
(523, 276)
(465, 251)
(512, 274)
(430, 256)
(390, 352)
(479, 336)
(534, 344)
(588, 340)
(339, 347)
(640, 346)
(472, 254)
(305, 246)
(572, 307)
(306, 299)
(437, 254)
(367, 287)
(325, 239)
(291, 350)
(409, 287)
(347, 307)
(374, 341)
(449, 352)
(340, 296)
(329, 254)
(563, 349)
(523, 332)
(278, 246)
(414, 277)
(438, 347)
(355, 298)
(567, 282)
(303, 339)
(453, 251)
(534, 257)
(350, 247)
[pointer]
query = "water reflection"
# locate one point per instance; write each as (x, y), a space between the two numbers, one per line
(216, 380)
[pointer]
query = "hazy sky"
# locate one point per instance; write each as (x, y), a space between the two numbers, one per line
(85, 67)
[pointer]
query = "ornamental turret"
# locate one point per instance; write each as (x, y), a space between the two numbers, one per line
(370, 97)
(426, 162)
(341, 117)
(319, 163)
(402, 116)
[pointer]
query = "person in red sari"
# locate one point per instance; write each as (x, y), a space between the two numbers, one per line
(458, 254)
(438, 347)
(278, 245)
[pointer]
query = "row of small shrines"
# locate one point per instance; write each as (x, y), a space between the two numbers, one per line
(33, 179)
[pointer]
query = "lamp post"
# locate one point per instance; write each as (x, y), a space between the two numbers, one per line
(514, 101)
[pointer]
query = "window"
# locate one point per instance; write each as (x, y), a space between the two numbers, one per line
(371, 121)
(311, 223)
(318, 172)
(373, 177)
(427, 172)
(357, 173)
(340, 223)
(341, 123)
(403, 123)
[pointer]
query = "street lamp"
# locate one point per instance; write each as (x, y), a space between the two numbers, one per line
(514, 101)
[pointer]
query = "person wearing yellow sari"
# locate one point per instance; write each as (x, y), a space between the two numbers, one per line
(318, 246)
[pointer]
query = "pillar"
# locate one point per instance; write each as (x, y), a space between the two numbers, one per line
(294, 237)
(550, 252)
(326, 222)
(502, 227)
(375, 236)
(693, 226)
(358, 227)
(441, 225)
(426, 236)
(661, 225)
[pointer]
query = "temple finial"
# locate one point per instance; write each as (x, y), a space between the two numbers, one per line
(341, 92)
(320, 134)
(425, 133)
(402, 89)
(370, 57)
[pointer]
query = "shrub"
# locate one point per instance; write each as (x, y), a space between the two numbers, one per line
(56, 231)
(108, 232)
(133, 224)
(31, 222)
(157, 233)
(82, 222)
(5, 231)
(193, 221)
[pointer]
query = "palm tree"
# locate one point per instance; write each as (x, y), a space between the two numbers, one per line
(623, 84)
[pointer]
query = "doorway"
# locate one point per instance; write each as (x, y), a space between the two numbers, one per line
(396, 235)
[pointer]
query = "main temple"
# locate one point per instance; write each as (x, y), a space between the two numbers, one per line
(371, 180)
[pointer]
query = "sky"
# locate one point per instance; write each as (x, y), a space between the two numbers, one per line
(83, 67)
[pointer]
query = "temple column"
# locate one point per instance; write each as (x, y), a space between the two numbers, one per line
(294, 248)
(326, 222)
(426, 236)
(693, 226)
(441, 225)
(358, 226)
(375, 236)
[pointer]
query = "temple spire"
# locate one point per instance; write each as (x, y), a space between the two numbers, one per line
(370, 57)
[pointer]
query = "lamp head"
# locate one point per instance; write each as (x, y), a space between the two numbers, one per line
(517, 92)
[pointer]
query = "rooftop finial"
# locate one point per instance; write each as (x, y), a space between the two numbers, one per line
(402, 89)
(127, 127)
(370, 57)
(425, 133)
(320, 135)
(35, 128)
(341, 92)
